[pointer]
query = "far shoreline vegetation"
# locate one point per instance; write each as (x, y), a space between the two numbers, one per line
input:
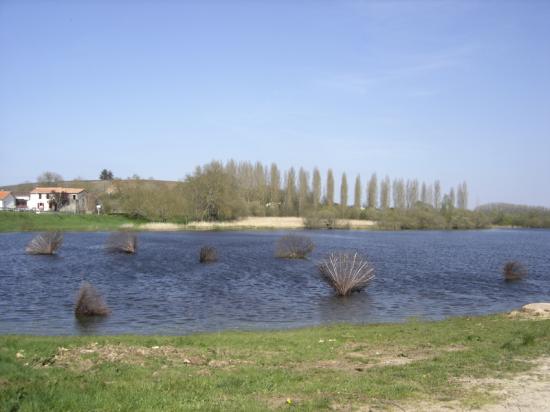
(229, 196)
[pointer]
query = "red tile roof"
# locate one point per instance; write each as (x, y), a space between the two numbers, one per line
(70, 190)
(4, 194)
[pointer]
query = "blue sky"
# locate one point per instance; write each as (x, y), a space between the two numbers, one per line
(455, 90)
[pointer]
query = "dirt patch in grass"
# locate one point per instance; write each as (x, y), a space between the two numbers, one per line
(84, 358)
(526, 392)
(356, 357)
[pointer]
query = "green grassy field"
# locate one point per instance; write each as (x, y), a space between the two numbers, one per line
(26, 221)
(321, 368)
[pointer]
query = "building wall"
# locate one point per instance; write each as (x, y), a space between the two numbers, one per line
(41, 201)
(8, 202)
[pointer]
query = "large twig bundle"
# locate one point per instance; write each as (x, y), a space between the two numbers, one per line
(89, 302)
(294, 247)
(514, 270)
(208, 254)
(346, 272)
(45, 243)
(124, 242)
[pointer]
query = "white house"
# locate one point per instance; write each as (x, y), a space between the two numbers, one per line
(7, 201)
(66, 199)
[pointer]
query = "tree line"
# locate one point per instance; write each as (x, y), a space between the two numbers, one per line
(221, 191)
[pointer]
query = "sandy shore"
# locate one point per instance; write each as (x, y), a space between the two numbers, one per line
(250, 223)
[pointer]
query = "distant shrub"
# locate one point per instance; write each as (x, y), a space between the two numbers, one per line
(89, 302)
(45, 243)
(513, 271)
(124, 242)
(324, 219)
(294, 247)
(208, 254)
(346, 272)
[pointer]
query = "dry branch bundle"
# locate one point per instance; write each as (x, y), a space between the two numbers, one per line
(89, 302)
(124, 242)
(294, 247)
(346, 272)
(208, 254)
(514, 270)
(45, 243)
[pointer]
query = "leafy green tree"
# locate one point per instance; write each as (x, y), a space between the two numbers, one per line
(106, 175)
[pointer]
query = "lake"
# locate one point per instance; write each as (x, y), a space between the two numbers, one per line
(163, 289)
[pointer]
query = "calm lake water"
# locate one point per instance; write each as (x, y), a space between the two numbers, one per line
(164, 290)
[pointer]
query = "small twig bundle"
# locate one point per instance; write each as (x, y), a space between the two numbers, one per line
(45, 243)
(208, 254)
(514, 270)
(294, 247)
(124, 242)
(346, 272)
(89, 302)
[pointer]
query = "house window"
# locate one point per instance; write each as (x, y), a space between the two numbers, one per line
(74, 197)
(40, 196)
(47, 196)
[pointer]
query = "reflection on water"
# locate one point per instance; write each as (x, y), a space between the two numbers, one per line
(164, 289)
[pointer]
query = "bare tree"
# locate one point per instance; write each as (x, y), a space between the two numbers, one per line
(412, 193)
(330, 188)
(462, 196)
(49, 177)
(452, 197)
(424, 193)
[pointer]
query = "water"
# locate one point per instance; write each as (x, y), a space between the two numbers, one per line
(164, 290)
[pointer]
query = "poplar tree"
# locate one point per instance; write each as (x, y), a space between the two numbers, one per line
(303, 191)
(437, 194)
(424, 193)
(290, 192)
(385, 193)
(452, 197)
(372, 191)
(358, 191)
(462, 196)
(330, 188)
(316, 188)
(399, 201)
(274, 185)
(344, 194)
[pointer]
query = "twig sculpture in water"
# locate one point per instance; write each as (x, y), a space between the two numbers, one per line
(208, 254)
(513, 271)
(89, 302)
(294, 247)
(45, 243)
(123, 242)
(346, 272)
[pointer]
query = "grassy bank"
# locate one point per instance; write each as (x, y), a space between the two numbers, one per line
(23, 222)
(306, 369)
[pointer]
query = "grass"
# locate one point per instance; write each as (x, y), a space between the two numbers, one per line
(304, 369)
(32, 222)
